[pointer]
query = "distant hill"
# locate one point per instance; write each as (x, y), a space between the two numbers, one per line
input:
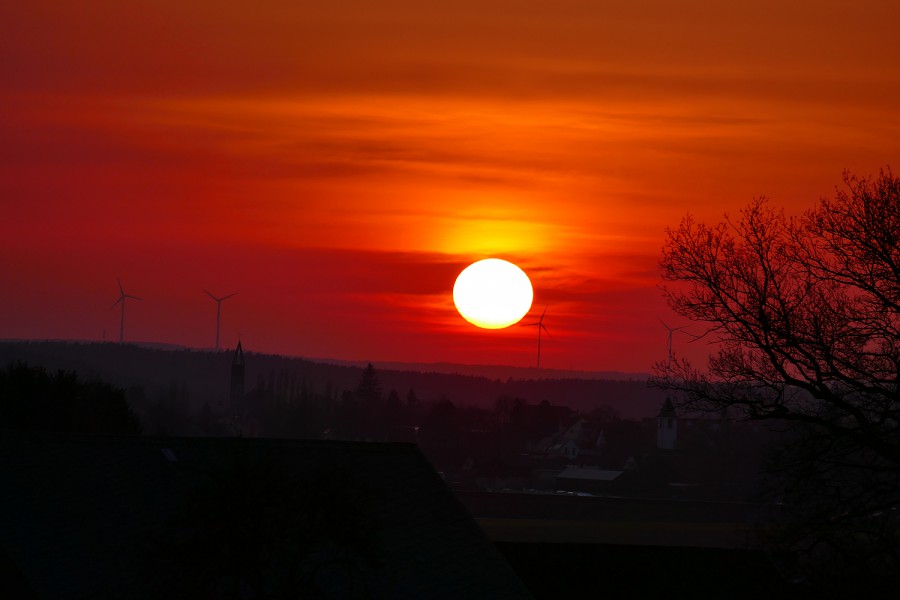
(204, 375)
(502, 372)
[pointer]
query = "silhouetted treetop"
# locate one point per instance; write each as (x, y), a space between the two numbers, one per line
(369, 388)
(808, 304)
(32, 398)
(805, 315)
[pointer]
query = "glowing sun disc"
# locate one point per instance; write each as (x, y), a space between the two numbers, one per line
(493, 293)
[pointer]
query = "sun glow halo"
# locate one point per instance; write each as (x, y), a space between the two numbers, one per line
(492, 293)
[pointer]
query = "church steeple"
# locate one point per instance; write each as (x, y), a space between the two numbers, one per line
(236, 395)
(667, 426)
(238, 359)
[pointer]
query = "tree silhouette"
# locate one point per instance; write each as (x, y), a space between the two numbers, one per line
(806, 316)
(369, 401)
(369, 389)
(32, 398)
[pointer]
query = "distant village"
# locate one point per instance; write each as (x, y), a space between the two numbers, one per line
(508, 443)
(515, 445)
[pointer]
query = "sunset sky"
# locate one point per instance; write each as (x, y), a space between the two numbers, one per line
(339, 163)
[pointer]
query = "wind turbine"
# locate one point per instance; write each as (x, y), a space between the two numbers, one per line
(219, 312)
(541, 328)
(671, 331)
(122, 296)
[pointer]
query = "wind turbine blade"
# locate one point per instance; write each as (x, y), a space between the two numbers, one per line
(130, 296)
(121, 290)
(229, 296)
(545, 312)
(547, 331)
(666, 325)
(211, 296)
(121, 298)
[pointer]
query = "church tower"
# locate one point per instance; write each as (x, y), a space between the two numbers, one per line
(236, 396)
(666, 426)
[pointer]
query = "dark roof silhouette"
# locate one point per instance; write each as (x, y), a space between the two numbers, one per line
(76, 512)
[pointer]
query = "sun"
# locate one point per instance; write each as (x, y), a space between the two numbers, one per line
(493, 293)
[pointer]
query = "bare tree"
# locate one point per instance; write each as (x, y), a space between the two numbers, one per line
(805, 316)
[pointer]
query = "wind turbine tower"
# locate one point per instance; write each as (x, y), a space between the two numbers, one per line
(541, 328)
(121, 300)
(219, 312)
(669, 345)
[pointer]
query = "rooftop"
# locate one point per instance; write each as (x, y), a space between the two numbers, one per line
(84, 516)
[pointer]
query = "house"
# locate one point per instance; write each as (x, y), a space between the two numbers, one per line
(139, 517)
(564, 444)
(587, 479)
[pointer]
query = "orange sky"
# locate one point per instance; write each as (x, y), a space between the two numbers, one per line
(338, 163)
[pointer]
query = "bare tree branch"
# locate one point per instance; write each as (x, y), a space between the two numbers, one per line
(805, 314)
